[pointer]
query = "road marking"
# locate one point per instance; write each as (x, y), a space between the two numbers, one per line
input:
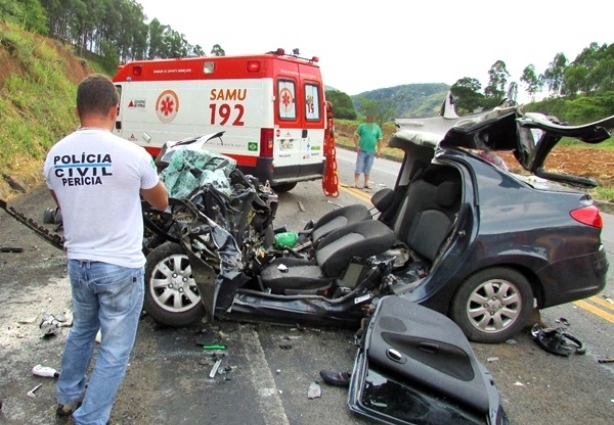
(595, 310)
(271, 406)
(602, 302)
(357, 193)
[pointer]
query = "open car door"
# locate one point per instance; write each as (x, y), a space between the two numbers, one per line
(531, 136)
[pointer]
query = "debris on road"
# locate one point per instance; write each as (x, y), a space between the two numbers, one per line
(492, 359)
(215, 347)
(290, 337)
(610, 360)
(285, 346)
(301, 206)
(555, 340)
(27, 321)
(33, 390)
(49, 326)
(314, 390)
(215, 367)
(10, 249)
(45, 371)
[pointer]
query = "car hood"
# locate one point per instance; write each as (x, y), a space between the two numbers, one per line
(530, 136)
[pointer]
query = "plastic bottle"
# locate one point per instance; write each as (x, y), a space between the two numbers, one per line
(286, 239)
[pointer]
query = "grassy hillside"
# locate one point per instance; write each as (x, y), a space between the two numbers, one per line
(409, 100)
(38, 79)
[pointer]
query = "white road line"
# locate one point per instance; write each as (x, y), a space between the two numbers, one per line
(271, 407)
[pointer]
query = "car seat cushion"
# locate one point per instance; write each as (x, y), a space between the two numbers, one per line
(291, 274)
(362, 240)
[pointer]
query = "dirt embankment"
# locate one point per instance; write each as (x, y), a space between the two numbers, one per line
(38, 78)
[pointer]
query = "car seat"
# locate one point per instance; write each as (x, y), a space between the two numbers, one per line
(385, 202)
(333, 256)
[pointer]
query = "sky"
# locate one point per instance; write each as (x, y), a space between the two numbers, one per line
(366, 45)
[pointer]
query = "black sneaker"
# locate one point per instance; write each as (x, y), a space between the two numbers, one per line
(65, 410)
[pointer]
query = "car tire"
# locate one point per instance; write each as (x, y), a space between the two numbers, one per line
(171, 295)
(284, 187)
(493, 305)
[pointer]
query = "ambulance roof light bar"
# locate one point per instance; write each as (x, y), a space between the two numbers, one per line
(295, 53)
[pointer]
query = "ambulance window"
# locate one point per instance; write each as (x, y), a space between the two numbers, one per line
(312, 102)
(286, 94)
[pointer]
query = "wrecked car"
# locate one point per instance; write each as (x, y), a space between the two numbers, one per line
(457, 234)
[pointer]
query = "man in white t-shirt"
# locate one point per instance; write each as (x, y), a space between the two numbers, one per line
(96, 179)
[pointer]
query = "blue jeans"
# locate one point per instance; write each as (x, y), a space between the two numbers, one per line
(109, 298)
(364, 162)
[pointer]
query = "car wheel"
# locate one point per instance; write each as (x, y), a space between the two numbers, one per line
(171, 294)
(493, 305)
(284, 187)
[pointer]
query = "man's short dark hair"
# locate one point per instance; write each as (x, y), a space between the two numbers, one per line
(96, 95)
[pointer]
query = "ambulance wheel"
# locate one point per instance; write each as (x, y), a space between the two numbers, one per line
(171, 294)
(284, 187)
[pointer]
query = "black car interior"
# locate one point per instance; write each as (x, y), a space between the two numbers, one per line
(420, 221)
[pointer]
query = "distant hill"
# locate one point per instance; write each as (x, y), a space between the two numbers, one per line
(409, 100)
(327, 88)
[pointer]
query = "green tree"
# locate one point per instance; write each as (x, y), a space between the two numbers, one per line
(342, 104)
(591, 72)
(217, 50)
(467, 95)
(197, 51)
(494, 92)
(554, 74)
(157, 48)
(532, 82)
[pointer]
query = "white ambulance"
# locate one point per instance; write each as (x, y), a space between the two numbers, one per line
(271, 107)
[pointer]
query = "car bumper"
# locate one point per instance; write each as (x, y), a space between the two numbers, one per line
(265, 171)
(574, 279)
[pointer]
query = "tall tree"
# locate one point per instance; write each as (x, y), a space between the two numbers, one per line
(342, 104)
(554, 74)
(532, 82)
(591, 72)
(494, 92)
(467, 96)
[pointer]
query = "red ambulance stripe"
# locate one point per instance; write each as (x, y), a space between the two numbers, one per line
(244, 160)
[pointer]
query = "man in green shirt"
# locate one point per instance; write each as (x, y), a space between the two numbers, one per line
(367, 138)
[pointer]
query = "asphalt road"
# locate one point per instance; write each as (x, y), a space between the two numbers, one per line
(168, 383)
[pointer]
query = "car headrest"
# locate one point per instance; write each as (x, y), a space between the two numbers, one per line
(447, 194)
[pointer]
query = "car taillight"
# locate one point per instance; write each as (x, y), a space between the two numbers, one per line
(266, 142)
(588, 215)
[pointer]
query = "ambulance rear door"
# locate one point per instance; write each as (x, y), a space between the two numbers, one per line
(288, 130)
(312, 123)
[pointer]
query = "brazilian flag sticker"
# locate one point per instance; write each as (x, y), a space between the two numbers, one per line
(252, 146)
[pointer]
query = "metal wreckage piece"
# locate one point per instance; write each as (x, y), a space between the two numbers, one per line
(42, 232)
